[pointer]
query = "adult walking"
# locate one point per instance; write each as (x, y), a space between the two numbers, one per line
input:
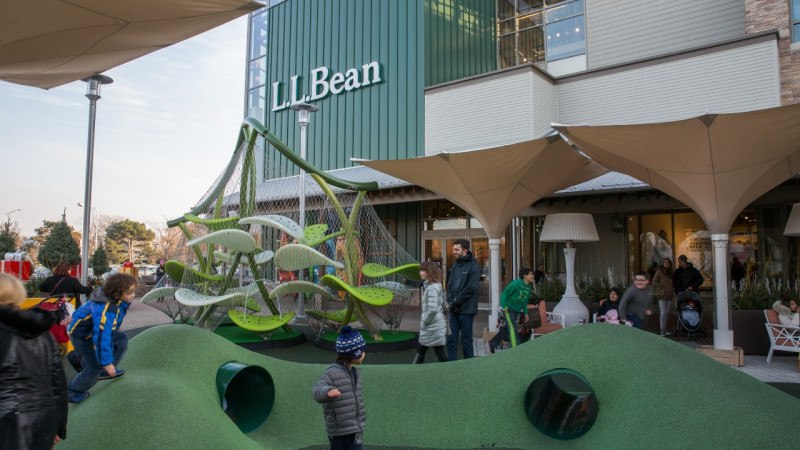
(432, 326)
(60, 282)
(636, 301)
(33, 388)
(686, 277)
(663, 287)
(462, 296)
(513, 304)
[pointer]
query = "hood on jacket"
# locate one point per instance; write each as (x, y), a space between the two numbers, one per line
(28, 323)
(781, 309)
(467, 258)
(99, 296)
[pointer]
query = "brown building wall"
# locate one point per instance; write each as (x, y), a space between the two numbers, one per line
(765, 15)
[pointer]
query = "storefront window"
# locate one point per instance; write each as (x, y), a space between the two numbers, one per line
(535, 31)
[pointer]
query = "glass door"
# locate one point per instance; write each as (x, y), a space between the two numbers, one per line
(439, 249)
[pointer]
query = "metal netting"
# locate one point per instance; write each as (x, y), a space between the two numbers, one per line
(324, 221)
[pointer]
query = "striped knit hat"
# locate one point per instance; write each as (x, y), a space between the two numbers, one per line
(350, 343)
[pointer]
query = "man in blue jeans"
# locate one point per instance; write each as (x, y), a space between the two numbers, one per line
(462, 297)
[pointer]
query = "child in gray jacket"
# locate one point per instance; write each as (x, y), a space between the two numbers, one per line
(339, 391)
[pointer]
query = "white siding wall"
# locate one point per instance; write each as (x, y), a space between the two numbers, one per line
(620, 31)
(545, 105)
(492, 113)
(736, 80)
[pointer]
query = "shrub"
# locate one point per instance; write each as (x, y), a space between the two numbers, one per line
(761, 293)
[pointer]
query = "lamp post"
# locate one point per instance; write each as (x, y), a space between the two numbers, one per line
(304, 111)
(93, 84)
(570, 227)
(8, 214)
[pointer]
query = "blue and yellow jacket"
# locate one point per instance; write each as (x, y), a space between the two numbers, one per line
(98, 319)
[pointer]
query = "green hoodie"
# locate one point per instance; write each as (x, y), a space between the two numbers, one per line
(516, 295)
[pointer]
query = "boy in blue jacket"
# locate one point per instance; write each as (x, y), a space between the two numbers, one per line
(94, 332)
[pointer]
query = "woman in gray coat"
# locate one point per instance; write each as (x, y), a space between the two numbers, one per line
(432, 325)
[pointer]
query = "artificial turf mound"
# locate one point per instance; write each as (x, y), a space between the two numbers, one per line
(652, 392)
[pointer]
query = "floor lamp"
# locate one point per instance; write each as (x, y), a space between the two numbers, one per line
(569, 228)
(793, 224)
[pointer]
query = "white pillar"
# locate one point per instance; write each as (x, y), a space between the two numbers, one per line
(571, 305)
(494, 287)
(723, 335)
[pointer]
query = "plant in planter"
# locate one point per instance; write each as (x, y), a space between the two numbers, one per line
(761, 293)
(747, 300)
(549, 289)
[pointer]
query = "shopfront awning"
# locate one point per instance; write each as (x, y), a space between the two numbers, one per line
(495, 184)
(717, 164)
(47, 43)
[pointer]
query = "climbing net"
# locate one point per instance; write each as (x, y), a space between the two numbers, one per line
(339, 224)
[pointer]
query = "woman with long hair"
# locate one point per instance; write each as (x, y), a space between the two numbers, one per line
(662, 285)
(60, 282)
(432, 325)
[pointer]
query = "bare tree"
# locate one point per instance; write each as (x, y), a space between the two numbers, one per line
(167, 240)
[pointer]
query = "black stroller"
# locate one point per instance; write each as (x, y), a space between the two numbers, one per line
(690, 315)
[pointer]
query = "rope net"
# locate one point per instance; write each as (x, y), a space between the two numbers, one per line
(339, 231)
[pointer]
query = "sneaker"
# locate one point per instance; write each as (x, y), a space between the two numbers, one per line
(667, 333)
(78, 398)
(663, 334)
(105, 376)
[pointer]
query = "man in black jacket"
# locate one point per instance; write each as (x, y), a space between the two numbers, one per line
(462, 296)
(686, 277)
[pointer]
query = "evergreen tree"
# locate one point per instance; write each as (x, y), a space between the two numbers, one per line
(60, 246)
(8, 238)
(131, 234)
(99, 261)
(115, 252)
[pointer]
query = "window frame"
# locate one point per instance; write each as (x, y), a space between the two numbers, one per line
(544, 23)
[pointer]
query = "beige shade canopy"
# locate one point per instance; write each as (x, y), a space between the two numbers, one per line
(717, 164)
(495, 184)
(47, 43)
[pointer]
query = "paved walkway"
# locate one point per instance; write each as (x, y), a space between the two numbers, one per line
(783, 369)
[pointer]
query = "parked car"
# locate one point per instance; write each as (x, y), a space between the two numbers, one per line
(147, 271)
(41, 272)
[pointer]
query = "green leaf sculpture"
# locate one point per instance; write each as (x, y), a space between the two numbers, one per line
(236, 240)
(299, 256)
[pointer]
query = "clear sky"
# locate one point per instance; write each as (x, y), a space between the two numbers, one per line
(165, 129)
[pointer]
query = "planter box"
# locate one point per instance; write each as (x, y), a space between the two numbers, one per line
(733, 357)
(749, 331)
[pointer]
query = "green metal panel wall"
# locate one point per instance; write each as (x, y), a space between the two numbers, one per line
(408, 217)
(460, 39)
(380, 121)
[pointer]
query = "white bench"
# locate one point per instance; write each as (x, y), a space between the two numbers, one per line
(781, 337)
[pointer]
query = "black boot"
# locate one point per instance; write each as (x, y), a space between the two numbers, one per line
(418, 359)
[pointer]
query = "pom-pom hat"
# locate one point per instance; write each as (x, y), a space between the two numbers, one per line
(350, 342)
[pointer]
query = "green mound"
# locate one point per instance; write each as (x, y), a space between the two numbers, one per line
(652, 392)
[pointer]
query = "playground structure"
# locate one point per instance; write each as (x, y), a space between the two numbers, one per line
(327, 255)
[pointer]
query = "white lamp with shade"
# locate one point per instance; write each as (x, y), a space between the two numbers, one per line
(793, 224)
(569, 228)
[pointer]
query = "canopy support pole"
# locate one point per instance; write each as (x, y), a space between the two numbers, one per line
(723, 335)
(494, 286)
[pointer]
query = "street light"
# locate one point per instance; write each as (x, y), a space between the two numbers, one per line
(304, 111)
(93, 85)
(8, 214)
